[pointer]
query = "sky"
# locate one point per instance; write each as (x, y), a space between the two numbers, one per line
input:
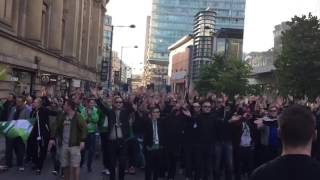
(260, 19)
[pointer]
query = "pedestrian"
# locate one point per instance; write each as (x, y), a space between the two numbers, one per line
(118, 133)
(71, 132)
(270, 143)
(40, 134)
(103, 130)
(19, 111)
(297, 131)
(153, 144)
(223, 149)
(90, 114)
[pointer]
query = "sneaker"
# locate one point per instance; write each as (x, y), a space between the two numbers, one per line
(132, 170)
(105, 172)
(4, 168)
(38, 172)
(21, 169)
(54, 172)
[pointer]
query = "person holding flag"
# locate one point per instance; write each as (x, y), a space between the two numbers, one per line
(18, 112)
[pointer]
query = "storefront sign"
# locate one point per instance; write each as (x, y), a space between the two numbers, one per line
(76, 83)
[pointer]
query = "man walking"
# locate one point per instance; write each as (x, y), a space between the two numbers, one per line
(71, 131)
(118, 133)
(297, 131)
(16, 144)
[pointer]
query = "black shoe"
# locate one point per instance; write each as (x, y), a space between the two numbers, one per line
(89, 169)
(54, 172)
(38, 172)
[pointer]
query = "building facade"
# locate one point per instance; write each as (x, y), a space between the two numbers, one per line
(116, 71)
(203, 34)
(49, 43)
(277, 34)
(180, 60)
(173, 19)
(106, 63)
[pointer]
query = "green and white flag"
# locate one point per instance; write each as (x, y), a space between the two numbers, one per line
(16, 128)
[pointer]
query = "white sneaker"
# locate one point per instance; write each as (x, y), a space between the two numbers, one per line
(21, 169)
(105, 172)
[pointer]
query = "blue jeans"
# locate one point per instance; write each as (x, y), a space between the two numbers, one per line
(223, 160)
(89, 150)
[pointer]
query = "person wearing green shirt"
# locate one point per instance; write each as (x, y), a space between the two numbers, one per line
(103, 130)
(90, 114)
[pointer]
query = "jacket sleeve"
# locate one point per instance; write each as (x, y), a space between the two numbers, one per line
(55, 128)
(103, 108)
(83, 129)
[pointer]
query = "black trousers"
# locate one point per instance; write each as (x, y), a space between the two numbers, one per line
(39, 150)
(153, 164)
(133, 150)
(190, 159)
(17, 145)
(171, 158)
(104, 149)
(203, 159)
(243, 161)
(117, 153)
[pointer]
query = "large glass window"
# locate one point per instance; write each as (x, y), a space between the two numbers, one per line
(173, 19)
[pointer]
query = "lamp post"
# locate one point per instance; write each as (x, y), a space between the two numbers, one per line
(111, 44)
(124, 47)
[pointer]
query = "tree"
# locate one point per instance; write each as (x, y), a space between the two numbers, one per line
(298, 65)
(229, 76)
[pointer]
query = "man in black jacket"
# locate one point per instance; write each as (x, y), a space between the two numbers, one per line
(223, 151)
(40, 134)
(118, 133)
(154, 137)
(297, 131)
(206, 140)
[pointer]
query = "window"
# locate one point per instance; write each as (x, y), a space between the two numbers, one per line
(44, 25)
(63, 34)
(6, 11)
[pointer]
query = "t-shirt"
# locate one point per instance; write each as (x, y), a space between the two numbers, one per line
(66, 132)
(246, 139)
(116, 132)
(288, 167)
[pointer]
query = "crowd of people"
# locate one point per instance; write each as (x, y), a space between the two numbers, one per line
(203, 137)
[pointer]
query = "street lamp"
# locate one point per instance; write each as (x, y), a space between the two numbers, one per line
(111, 44)
(123, 47)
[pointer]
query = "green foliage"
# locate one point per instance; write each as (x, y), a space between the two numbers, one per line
(298, 65)
(228, 76)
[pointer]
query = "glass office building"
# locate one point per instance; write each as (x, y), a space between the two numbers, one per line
(173, 19)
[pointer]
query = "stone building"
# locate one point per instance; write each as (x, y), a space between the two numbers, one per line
(49, 43)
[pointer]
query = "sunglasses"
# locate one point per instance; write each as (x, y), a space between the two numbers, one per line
(119, 102)
(206, 106)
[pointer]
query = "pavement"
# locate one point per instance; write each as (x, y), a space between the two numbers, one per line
(28, 174)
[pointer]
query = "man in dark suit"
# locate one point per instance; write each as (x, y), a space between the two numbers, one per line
(118, 133)
(153, 144)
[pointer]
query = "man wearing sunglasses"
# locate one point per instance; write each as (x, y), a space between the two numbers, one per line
(118, 133)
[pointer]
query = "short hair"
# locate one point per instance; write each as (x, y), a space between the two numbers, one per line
(71, 103)
(297, 126)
